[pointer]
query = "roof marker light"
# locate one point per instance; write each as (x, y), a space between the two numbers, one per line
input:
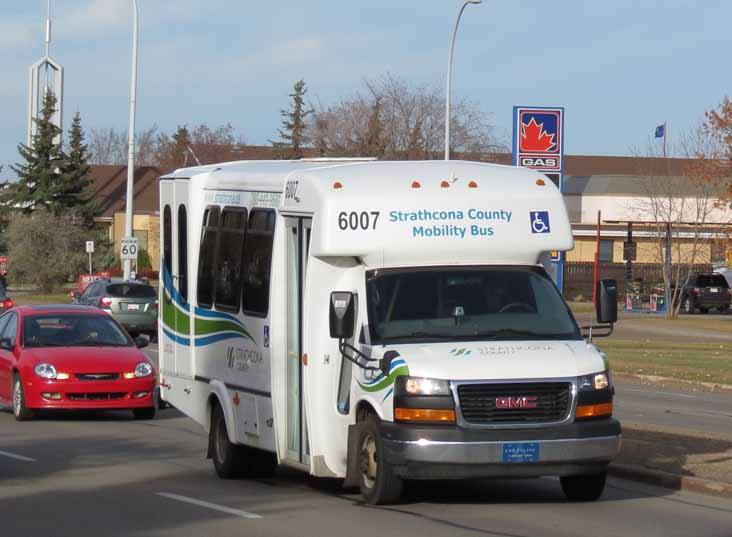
(445, 184)
(415, 184)
(540, 182)
(472, 184)
(337, 185)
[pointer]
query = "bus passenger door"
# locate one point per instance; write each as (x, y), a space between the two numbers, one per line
(297, 234)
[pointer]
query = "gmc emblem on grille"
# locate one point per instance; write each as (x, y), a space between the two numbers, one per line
(516, 402)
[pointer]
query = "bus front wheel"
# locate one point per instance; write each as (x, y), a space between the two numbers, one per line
(378, 483)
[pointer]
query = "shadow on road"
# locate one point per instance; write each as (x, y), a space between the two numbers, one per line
(678, 454)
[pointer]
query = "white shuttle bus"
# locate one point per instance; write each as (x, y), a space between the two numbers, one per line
(380, 322)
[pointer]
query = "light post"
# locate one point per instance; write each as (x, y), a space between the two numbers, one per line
(449, 77)
(131, 140)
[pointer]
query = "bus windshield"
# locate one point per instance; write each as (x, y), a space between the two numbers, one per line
(464, 304)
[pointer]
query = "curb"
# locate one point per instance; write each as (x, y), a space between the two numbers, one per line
(671, 481)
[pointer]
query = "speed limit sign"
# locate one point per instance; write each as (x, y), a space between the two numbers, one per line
(128, 249)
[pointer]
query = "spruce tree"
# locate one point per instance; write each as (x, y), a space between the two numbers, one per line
(38, 176)
(293, 132)
(181, 141)
(73, 191)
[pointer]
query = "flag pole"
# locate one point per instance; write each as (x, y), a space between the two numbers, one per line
(664, 139)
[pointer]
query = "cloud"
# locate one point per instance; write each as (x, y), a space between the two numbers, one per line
(16, 35)
(97, 17)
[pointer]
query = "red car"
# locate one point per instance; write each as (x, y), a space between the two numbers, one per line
(72, 358)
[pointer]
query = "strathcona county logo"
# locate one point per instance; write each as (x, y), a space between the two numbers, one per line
(516, 402)
(460, 352)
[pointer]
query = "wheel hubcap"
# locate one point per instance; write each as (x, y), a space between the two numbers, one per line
(369, 465)
(17, 397)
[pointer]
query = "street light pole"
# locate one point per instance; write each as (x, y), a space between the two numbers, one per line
(131, 140)
(449, 77)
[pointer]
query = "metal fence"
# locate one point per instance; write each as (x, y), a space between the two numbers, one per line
(578, 276)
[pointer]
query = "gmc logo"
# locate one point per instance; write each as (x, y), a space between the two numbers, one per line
(516, 402)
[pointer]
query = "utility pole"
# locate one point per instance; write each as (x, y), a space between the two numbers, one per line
(131, 142)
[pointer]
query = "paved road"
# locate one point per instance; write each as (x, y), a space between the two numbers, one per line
(105, 474)
(675, 407)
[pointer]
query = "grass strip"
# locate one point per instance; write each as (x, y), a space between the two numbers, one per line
(695, 361)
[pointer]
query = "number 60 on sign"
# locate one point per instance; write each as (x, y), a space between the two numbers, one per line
(128, 249)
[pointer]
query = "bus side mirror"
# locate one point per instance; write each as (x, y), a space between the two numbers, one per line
(607, 301)
(342, 314)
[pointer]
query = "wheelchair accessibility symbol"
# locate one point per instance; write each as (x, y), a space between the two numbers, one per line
(539, 221)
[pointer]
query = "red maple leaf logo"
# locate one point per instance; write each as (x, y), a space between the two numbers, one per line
(535, 138)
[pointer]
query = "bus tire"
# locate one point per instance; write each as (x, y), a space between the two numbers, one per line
(228, 458)
(584, 488)
(378, 483)
(233, 461)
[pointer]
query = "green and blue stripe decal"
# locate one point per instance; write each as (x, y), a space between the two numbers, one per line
(398, 368)
(209, 326)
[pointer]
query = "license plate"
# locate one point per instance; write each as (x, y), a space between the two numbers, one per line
(133, 307)
(521, 452)
(714, 289)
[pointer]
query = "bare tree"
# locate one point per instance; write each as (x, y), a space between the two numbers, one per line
(109, 146)
(200, 145)
(47, 249)
(680, 212)
(393, 119)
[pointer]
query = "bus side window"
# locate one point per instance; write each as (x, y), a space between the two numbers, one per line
(257, 262)
(182, 252)
(227, 272)
(168, 250)
(207, 257)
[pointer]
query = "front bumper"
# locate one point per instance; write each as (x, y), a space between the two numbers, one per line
(449, 452)
(77, 395)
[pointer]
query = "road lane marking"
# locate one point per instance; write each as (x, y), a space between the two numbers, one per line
(17, 457)
(201, 503)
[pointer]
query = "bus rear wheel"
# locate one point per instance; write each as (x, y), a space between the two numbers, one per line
(378, 483)
(233, 461)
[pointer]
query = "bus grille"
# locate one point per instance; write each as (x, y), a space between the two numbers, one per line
(487, 404)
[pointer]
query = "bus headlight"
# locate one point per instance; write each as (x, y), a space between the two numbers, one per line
(596, 381)
(421, 386)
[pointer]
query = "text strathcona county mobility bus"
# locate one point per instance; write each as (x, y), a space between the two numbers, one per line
(380, 321)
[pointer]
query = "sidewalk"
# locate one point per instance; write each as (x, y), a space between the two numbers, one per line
(681, 459)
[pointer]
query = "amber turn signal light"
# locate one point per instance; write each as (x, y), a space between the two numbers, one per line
(424, 414)
(593, 411)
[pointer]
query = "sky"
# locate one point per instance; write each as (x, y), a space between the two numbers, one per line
(618, 68)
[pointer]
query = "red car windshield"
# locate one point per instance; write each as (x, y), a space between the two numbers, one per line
(72, 330)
